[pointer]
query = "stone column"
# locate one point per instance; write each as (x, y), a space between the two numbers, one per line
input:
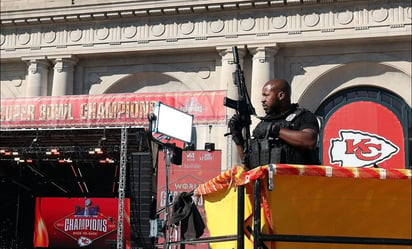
(63, 75)
(226, 82)
(37, 76)
(263, 70)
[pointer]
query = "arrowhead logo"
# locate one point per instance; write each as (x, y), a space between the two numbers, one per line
(360, 149)
(84, 241)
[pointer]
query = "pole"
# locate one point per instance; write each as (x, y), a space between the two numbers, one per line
(122, 187)
(240, 217)
(168, 158)
(256, 215)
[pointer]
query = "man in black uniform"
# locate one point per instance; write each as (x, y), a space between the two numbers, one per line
(287, 134)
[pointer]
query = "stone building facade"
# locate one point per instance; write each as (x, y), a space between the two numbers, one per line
(322, 47)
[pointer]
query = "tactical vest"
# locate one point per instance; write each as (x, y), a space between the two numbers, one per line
(265, 149)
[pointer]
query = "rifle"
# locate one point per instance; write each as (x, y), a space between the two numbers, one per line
(243, 105)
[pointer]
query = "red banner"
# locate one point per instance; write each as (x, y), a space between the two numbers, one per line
(364, 134)
(79, 222)
(107, 110)
(197, 167)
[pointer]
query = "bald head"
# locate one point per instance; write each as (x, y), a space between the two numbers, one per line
(278, 85)
(276, 96)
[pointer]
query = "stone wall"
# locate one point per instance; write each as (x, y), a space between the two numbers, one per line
(55, 48)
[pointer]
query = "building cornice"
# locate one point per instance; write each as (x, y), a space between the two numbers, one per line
(129, 9)
(303, 24)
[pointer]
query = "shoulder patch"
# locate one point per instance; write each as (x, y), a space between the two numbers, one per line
(290, 117)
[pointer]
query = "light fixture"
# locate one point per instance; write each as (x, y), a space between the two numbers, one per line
(103, 138)
(35, 140)
(74, 171)
(65, 160)
(107, 160)
(96, 150)
(171, 122)
(52, 152)
(5, 152)
(209, 147)
(19, 160)
(80, 186)
(85, 187)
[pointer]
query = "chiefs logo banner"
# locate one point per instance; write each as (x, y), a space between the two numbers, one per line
(364, 134)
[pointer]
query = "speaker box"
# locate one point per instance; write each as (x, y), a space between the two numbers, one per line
(142, 199)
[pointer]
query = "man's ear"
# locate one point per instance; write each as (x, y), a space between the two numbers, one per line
(281, 95)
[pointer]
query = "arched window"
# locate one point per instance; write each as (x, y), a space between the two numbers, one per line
(359, 123)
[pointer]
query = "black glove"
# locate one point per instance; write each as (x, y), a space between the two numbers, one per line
(235, 125)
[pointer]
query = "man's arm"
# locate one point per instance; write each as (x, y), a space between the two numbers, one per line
(304, 139)
(305, 136)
